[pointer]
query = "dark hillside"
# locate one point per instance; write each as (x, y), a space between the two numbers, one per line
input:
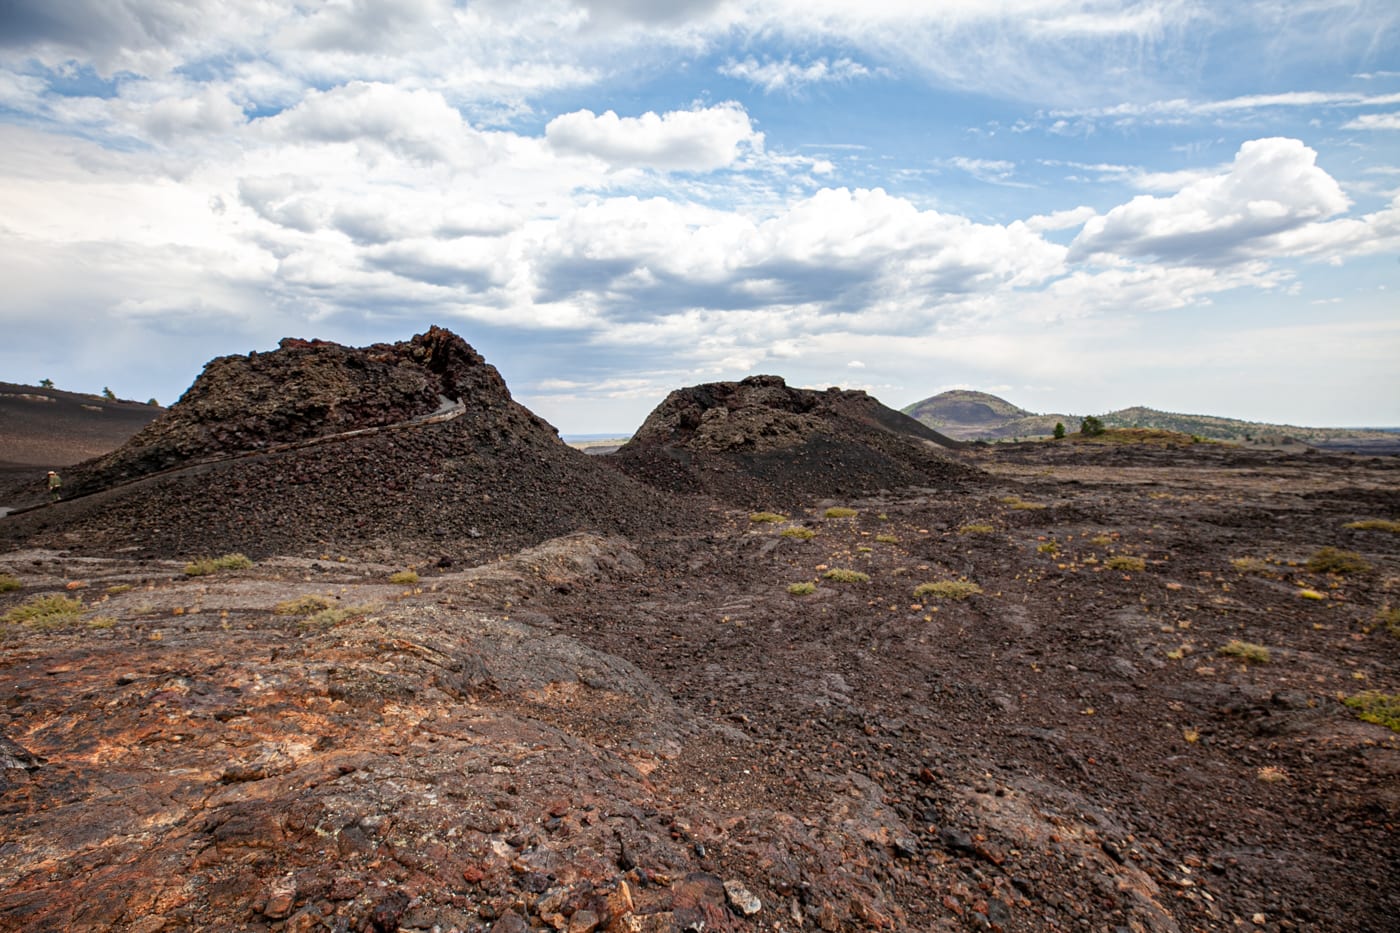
(759, 443)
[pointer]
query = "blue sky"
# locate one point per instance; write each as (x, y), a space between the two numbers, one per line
(1077, 205)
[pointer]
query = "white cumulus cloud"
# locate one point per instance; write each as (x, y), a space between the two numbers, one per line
(698, 140)
(1273, 186)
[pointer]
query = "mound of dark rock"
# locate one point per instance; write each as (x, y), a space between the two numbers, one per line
(761, 443)
(415, 447)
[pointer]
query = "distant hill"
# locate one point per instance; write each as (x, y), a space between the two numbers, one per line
(968, 415)
(42, 427)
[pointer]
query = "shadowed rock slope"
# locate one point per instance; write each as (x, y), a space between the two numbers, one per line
(415, 446)
(761, 443)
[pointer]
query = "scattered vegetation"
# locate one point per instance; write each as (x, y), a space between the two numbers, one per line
(1374, 524)
(947, 589)
(803, 533)
(1245, 651)
(116, 589)
(303, 605)
(1383, 709)
(887, 539)
(975, 528)
(802, 589)
(207, 565)
(846, 576)
(404, 578)
(45, 612)
(840, 511)
(1390, 618)
(1018, 503)
(328, 617)
(1335, 560)
(1101, 540)
(101, 622)
(1250, 565)
(9, 582)
(1125, 562)
(770, 517)
(1048, 547)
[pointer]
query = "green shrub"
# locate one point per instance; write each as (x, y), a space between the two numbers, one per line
(846, 576)
(1335, 560)
(404, 578)
(1383, 709)
(802, 589)
(1374, 524)
(1124, 562)
(303, 605)
(975, 529)
(771, 517)
(1245, 651)
(840, 511)
(207, 565)
(1059, 430)
(9, 582)
(947, 589)
(802, 533)
(1091, 426)
(45, 612)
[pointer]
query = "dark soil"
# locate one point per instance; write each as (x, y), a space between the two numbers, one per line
(651, 733)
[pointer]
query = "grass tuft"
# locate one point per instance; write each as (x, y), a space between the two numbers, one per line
(802, 589)
(887, 539)
(804, 534)
(1048, 547)
(9, 582)
(1250, 565)
(975, 528)
(1335, 560)
(1124, 562)
(947, 589)
(846, 576)
(1016, 502)
(404, 578)
(207, 565)
(840, 511)
(1374, 524)
(770, 517)
(1245, 651)
(45, 612)
(1383, 709)
(303, 605)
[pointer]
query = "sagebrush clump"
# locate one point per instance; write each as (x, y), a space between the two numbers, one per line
(207, 565)
(404, 578)
(1245, 651)
(804, 534)
(9, 582)
(1125, 562)
(840, 511)
(1335, 560)
(802, 589)
(947, 589)
(769, 517)
(303, 605)
(846, 576)
(1383, 709)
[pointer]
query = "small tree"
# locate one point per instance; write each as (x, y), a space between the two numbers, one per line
(108, 394)
(46, 383)
(153, 403)
(1091, 426)
(1059, 430)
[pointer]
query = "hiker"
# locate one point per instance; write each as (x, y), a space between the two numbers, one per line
(55, 484)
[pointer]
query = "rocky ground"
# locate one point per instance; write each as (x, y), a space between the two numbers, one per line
(645, 729)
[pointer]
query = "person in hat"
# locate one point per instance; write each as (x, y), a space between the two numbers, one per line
(55, 484)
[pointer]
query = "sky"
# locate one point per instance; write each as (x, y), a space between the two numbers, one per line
(1079, 205)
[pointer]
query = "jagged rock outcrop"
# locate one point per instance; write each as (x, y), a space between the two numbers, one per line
(414, 447)
(760, 442)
